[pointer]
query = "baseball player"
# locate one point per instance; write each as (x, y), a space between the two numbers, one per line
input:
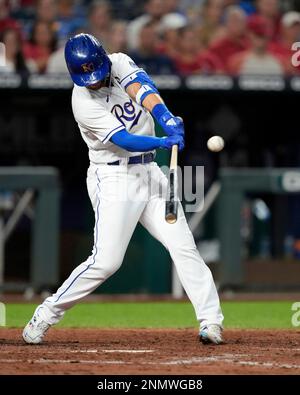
(114, 103)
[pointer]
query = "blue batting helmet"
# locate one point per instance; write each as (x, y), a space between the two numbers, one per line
(86, 59)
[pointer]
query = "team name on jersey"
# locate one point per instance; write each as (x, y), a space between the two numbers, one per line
(127, 113)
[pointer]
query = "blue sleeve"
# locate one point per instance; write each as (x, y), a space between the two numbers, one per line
(143, 78)
(133, 143)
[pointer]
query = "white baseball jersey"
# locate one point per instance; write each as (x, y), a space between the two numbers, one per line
(102, 113)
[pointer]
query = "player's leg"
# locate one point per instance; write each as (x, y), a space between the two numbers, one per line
(194, 274)
(115, 220)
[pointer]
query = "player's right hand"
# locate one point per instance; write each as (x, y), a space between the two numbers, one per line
(168, 142)
(172, 125)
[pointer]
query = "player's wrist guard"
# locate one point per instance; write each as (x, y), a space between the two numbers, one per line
(144, 91)
(147, 87)
(171, 125)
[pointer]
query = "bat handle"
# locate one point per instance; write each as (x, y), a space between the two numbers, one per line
(174, 156)
(171, 218)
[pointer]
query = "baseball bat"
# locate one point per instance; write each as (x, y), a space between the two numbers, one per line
(172, 191)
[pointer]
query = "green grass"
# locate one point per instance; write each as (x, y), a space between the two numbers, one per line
(160, 315)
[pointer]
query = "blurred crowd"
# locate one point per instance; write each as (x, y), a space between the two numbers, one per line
(182, 37)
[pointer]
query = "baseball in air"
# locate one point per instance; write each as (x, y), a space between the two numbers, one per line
(215, 144)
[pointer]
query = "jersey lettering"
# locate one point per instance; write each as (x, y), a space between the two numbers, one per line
(126, 113)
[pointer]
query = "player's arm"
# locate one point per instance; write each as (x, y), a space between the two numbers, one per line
(134, 143)
(145, 93)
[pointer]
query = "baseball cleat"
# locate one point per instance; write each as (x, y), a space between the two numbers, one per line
(211, 334)
(35, 330)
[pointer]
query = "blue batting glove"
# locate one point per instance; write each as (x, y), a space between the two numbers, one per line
(172, 125)
(168, 142)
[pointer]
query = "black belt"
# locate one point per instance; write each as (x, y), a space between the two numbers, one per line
(134, 160)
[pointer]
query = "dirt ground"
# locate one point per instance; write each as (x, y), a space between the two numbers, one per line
(147, 351)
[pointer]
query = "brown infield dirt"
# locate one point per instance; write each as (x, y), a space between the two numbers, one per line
(150, 351)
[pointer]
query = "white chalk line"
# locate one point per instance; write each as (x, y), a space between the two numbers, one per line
(92, 351)
(128, 351)
(139, 351)
(285, 349)
(226, 358)
(223, 358)
(64, 361)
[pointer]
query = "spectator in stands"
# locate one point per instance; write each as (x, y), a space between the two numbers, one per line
(191, 9)
(154, 11)
(258, 59)
(68, 20)
(170, 35)
(100, 20)
(147, 57)
(269, 9)
(118, 37)
(46, 11)
(235, 39)
(210, 27)
(22, 4)
(56, 62)
(6, 22)
(246, 5)
(23, 11)
(184, 5)
(192, 58)
(172, 21)
(15, 61)
(171, 6)
(289, 34)
(41, 44)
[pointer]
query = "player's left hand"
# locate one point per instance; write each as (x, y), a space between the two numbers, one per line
(168, 142)
(172, 125)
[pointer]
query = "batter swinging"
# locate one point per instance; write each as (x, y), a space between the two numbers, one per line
(112, 102)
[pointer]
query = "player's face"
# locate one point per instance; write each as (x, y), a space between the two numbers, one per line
(100, 84)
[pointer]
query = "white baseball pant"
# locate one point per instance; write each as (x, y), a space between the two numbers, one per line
(115, 221)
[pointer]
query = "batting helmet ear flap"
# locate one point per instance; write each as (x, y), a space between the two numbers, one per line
(86, 60)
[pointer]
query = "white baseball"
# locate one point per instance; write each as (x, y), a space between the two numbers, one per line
(215, 144)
